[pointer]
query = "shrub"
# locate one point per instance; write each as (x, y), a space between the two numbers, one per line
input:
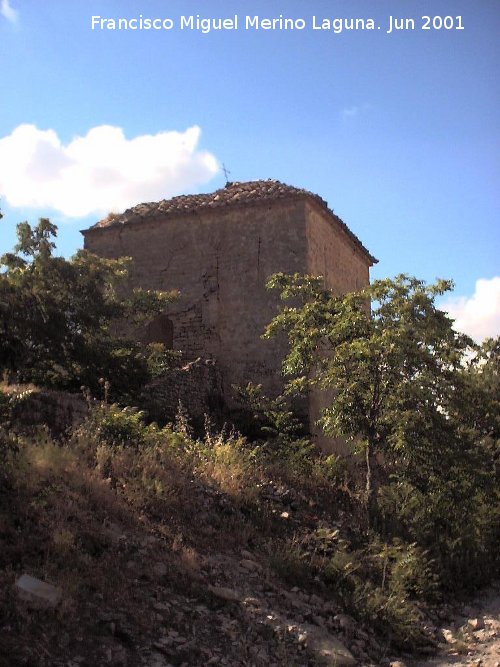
(291, 562)
(5, 407)
(273, 427)
(120, 427)
(457, 528)
(379, 585)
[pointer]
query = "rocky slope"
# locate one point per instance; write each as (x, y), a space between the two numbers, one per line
(192, 580)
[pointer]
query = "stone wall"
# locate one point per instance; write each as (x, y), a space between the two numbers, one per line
(219, 260)
(331, 253)
(197, 386)
(59, 411)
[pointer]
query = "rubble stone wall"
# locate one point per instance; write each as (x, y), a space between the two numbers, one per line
(57, 410)
(219, 259)
(333, 255)
(197, 386)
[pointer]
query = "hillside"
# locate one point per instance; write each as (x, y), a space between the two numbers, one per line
(145, 542)
(175, 551)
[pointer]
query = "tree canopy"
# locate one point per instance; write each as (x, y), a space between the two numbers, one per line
(400, 388)
(61, 321)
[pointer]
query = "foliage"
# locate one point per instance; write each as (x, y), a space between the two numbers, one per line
(291, 562)
(273, 426)
(8, 439)
(212, 491)
(379, 585)
(120, 427)
(480, 407)
(60, 320)
(393, 373)
(5, 408)
(160, 360)
(400, 392)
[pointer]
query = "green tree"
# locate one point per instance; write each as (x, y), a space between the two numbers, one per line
(60, 320)
(394, 374)
(482, 380)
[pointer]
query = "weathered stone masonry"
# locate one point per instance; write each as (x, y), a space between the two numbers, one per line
(196, 386)
(218, 249)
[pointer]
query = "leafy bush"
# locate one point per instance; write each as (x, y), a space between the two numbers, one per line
(380, 583)
(291, 562)
(273, 427)
(120, 427)
(58, 317)
(401, 391)
(5, 407)
(457, 529)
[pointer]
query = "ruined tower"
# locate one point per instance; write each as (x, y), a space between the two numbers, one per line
(218, 250)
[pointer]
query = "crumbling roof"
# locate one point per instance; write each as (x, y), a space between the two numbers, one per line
(237, 193)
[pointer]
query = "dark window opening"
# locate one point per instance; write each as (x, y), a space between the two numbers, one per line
(160, 330)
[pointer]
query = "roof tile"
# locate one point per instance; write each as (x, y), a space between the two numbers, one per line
(237, 193)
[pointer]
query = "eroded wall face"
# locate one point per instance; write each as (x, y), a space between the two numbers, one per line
(331, 254)
(219, 261)
(196, 386)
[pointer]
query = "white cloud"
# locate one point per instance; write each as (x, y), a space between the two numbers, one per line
(100, 172)
(8, 12)
(478, 315)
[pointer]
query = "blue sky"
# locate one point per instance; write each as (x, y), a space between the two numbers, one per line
(398, 132)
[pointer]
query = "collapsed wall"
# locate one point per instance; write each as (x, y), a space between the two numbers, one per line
(218, 251)
(58, 411)
(196, 386)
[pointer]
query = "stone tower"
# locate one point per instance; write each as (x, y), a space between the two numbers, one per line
(218, 250)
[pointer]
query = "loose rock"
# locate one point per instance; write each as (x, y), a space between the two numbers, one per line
(37, 593)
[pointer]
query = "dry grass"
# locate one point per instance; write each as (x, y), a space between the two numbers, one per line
(16, 389)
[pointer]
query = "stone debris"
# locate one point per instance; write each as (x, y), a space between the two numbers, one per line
(475, 624)
(237, 614)
(37, 593)
(345, 622)
(250, 565)
(471, 635)
(160, 569)
(448, 636)
(327, 649)
(224, 593)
